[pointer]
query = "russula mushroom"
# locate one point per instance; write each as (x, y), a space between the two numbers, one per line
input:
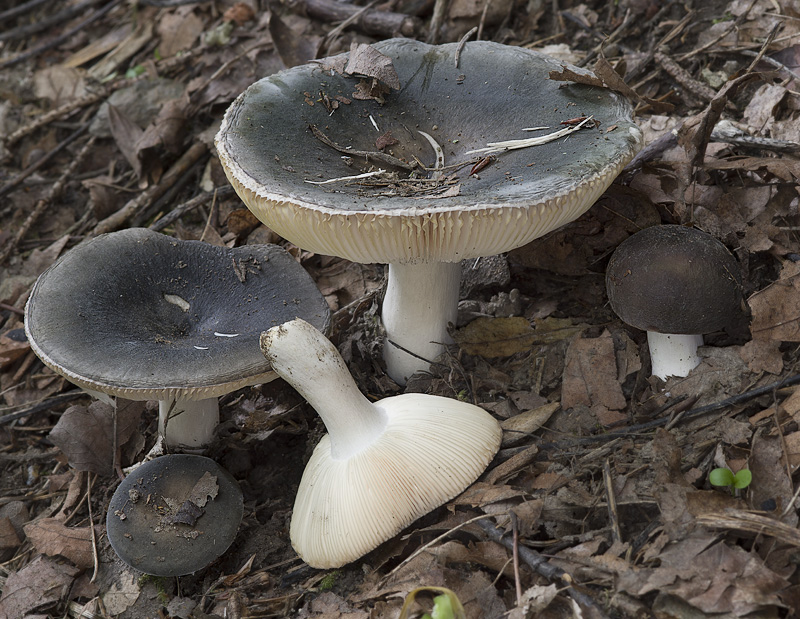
(677, 284)
(287, 175)
(143, 316)
(381, 466)
(175, 515)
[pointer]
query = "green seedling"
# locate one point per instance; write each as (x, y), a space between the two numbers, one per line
(726, 477)
(446, 605)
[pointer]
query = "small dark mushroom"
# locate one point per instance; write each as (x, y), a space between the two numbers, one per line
(174, 515)
(676, 283)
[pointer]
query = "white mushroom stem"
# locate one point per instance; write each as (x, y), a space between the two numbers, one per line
(311, 364)
(188, 424)
(421, 299)
(673, 354)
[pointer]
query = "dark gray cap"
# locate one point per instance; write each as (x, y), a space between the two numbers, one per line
(174, 515)
(142, 315)
(673, 279)
(492, 94)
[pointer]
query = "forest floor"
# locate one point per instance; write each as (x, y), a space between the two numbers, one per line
(107, 116)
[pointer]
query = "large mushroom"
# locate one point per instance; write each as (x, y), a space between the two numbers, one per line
(381, 466)
(143, 316)
(288, 137)
(676, 283)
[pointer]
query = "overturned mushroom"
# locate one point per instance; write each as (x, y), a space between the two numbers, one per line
(311, 192)
(381, 466)
(677, 284)
(140, 315)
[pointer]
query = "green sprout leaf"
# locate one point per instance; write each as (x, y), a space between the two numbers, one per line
(445, 606)
(721, 477)
(742, 479)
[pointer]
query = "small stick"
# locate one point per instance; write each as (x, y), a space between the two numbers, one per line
(367, 154)
(44, 203)
(56, 41)
(370, 21)
(542, 567)
(515, 556)
(95, 556)
(43, 160)
(43, 406)
(611, 500)
(463, 42)
(59, 17)
(23, 8)
(118, 219)
(220, 193)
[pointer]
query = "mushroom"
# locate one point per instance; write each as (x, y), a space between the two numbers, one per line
(175, 515)
(381, 466)
(299, 182)
(141, 315)
(676, 283)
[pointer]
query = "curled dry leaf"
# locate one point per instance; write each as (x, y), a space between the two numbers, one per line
(52, 537)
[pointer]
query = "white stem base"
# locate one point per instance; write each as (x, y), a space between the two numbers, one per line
(420, 300)
(672, 354)
(188, 424)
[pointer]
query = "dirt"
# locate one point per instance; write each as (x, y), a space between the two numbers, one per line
(601, 485)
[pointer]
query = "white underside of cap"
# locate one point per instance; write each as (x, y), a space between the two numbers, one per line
(431, 450)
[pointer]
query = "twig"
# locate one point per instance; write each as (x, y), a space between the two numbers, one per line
(679, 74)
(501, 147)
(463, 42)
(56, 41)
(370, 21)
(515, 556)
(44, 23)
(43, 160)
(118, 219)
(95, 556)
(44, 203)
(25, 7)
(539, 563)
(611, 502)
(367, 154)
(221, 193)
(437, 18)
(690, 414)
(43, 406)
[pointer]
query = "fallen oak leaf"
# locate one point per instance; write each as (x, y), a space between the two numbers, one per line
(52, 537)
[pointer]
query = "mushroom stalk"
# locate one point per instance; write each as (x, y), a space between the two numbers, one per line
(421, 299)
(188, 424)
(673, 354)
(308, 361)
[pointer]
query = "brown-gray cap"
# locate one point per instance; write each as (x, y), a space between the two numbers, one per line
(273, 159)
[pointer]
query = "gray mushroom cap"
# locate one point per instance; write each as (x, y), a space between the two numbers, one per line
(142, 315)
(269, 153)
(153, 528)
(673, 279)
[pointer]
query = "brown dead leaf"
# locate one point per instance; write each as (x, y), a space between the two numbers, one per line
(41, 584)
(178, 29)
(481, 494)
(240, 13)
(526, 423)
(293, 47)
(242, 222)
(52, 537)
(13, 346)
(771, 482)
(9, 540)
(503, 337)
(59, 84)
(590, 374)
(367, 61)
(125, 133)
(84, 434)
(776, 308)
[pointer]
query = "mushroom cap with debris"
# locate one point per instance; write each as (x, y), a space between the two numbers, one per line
(273, 158)
(174, 515)
(141, 315)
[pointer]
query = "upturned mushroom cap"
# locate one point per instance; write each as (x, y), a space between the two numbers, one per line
(141, 315)
(269, 153)
(174, 515)
(673, 279)
(382, 465)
